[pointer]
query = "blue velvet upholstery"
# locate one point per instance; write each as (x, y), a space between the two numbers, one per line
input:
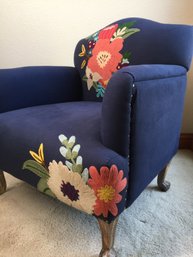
(114, 131)
(131, 81)
(156, 94)
(31, 86)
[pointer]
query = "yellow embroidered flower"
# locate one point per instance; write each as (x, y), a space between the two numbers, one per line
(40, 156)
(70, 188)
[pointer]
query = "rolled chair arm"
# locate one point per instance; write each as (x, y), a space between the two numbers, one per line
(30, 86)
(125, 85)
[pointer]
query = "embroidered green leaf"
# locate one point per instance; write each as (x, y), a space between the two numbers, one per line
(43, 187)
(130, 32)
(83, 64)
(127, 55)
(47, 191)
(127, 24)
(84, 78)
(36, 168)
(42, 184)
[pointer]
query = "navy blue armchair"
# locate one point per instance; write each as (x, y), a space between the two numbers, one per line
(95, 135)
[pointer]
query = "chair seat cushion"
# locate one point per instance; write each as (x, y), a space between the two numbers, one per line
(35, 140)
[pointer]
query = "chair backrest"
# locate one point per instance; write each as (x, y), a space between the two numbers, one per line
(130, 41)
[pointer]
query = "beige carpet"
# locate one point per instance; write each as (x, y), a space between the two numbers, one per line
(156, 225)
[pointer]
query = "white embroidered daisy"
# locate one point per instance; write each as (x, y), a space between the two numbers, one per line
(70, 188)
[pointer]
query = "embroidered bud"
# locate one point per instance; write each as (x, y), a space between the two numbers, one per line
(79, 160)
(63, 151)
(125, 61)
(76, 148)
(72, 139)
(69, 165)
(62, 138)
(85, 175)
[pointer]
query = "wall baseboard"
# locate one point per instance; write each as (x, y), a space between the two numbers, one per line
(186, 141)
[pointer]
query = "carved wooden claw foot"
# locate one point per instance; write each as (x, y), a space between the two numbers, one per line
(108, 236)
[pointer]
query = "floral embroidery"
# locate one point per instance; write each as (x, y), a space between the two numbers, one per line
(103, 56)
(70, 183)
(107, 185)
(70, 188)
(106, 57)
(92, 78)
(108, 32)
(40, 156)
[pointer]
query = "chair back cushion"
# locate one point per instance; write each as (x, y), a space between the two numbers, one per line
(126, 42)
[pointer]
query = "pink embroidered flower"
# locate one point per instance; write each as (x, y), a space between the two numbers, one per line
(106, 57)
(107, 185)
(108, 32)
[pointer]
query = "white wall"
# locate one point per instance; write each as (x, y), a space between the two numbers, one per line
(45, 32)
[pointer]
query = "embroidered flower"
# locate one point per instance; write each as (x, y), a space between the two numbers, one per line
(105, 57)
(40, 156)
(70, 188)
(102, 55)
(107, 185)
(92, 77)
(91, 44)
(108, 32)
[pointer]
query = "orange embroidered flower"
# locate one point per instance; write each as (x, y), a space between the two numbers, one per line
(108, 32)
(106, 57)
(107, 185)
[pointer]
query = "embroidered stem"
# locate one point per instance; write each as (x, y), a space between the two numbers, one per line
(73, 161)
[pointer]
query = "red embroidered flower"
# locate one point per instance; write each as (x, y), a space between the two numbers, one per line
(106, 57)
(108, 32)
(107, 185)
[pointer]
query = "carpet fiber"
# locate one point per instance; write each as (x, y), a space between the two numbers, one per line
(156, 225)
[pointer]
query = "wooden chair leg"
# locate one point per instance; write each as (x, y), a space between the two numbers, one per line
(3, 185)
(163, 184)
(108, 236)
